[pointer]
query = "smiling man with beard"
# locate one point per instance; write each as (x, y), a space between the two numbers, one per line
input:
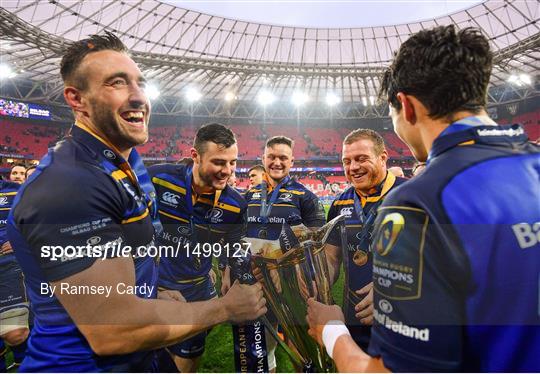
(197, 207)
(364, 162)
(92, 188)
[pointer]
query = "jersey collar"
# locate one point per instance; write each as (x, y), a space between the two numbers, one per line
(380, 190)
(473, 130)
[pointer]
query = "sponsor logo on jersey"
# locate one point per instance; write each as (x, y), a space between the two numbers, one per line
(256, 195)
(3, 200)
(400, 328)
(170, 198)
(385, 306)
(527, 235)
(346, 211)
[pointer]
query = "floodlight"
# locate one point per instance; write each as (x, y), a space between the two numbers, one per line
(152, 92)
(6, 72)
(192, 95)
(299, 98)
(332, 99)
(265, 98)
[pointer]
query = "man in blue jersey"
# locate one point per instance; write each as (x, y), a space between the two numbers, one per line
(13, 302)
(457, 249)
(364, 162)
(83, 229)
(279, 199)
(203, 217)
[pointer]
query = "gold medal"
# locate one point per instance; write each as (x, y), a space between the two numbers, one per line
(360, 257)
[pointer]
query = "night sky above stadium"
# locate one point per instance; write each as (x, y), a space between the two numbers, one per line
(327, 13)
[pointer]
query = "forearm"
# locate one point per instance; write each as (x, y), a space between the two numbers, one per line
(351, 358)
(153, 324)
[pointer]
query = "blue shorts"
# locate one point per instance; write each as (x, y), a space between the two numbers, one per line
(194, 346)
(12, 289)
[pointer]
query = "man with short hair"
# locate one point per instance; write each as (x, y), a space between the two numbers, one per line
(279, 199)
(17, 173)
(256, 175)
(95, 201)
(13, 301)
(364, 160)
(197, 207)
(456, 250)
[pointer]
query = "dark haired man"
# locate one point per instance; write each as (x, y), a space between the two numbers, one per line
(196, 206)
(280, 199)
(457, 250)
(17, 173)
(13, 300)
(364, 162)
(256, 175)
(91, 197)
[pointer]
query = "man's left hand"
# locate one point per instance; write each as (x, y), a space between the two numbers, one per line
(318, 316)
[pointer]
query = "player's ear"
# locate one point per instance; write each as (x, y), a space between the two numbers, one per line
(194, 155)
(408, 107)
(74, 99)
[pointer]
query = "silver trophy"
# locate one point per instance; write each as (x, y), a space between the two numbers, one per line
(292, 273)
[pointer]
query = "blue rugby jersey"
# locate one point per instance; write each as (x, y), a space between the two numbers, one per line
(8, 190)
(82, 193)
(294, 204)
(457, 261)
(215, 218)
(359, 259)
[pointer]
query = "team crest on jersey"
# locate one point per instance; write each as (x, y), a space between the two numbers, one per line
(214, 215)
(346, 211)
(286, 197)
(109, 154)
(3, 200)
(184, 230)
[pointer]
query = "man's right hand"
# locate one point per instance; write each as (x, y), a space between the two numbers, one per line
(244, 302)
(6, 248)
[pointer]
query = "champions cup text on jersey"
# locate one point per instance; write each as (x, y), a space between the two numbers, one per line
(457, 257)
(86, 194)
(293, 203)
(359, 263)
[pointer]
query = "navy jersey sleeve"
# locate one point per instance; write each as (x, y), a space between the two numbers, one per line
(67, 222)
(312, 210)
(419, 277)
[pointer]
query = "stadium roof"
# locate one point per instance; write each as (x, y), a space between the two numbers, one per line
(181, 49)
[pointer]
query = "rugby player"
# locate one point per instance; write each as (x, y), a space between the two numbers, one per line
(197, 206)
(17, 173)
(255, 175)
(13, 301)
(364, 159)
(457, 249)
(280, 199)
(91, 196)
